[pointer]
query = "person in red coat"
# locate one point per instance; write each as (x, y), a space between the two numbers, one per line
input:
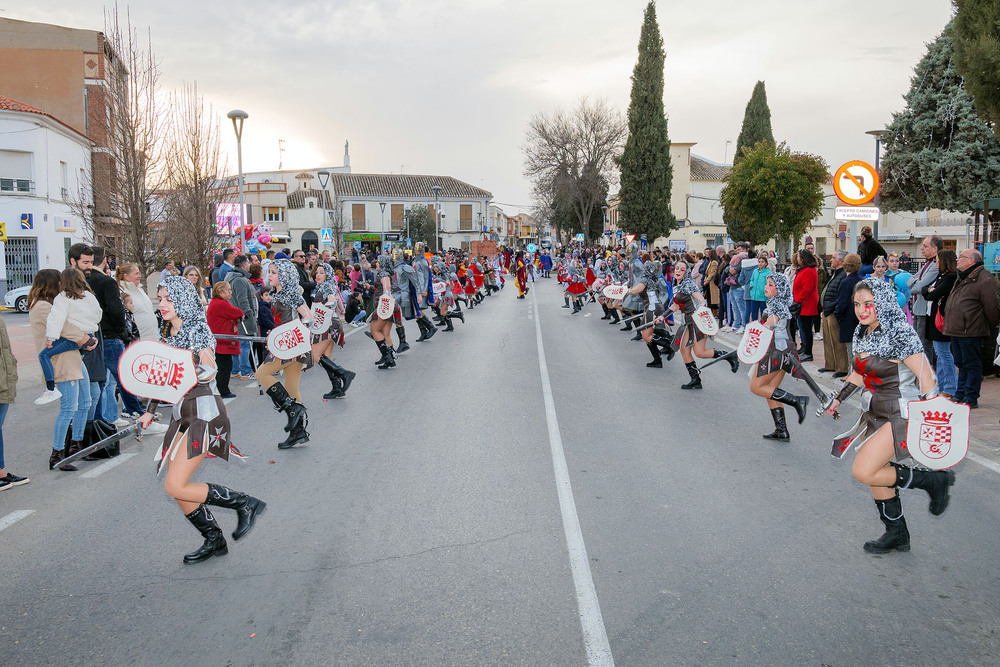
(805, 292)
(222, 318)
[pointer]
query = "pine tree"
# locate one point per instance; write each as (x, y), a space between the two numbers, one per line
(976, 35)
(756, 122)
(646, 174)
(938, 152)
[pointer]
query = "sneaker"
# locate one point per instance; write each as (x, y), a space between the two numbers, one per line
(12, 480)
(48, 396)
(229, 395)
(819, 336)
(155, 428)
(739, 330)
(121, 422)
(248, 376)
(234, 376)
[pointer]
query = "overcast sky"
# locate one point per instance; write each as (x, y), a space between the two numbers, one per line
(446, 87)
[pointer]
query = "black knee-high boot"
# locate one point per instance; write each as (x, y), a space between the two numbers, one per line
(340, 378)
(780, 431)
(388, 359)
(215, 542)
(247, 507)
(607, 311)
(627, 327)
(896, 536)
(654, 349)
(459, 314)
(695, 374)
(566, 300)
(665, 344)
(403, 345)
(614, 314)
(448, 326)
(296, 412)
(934, 482)
(734, 362)
(800, 403)
(384, 348)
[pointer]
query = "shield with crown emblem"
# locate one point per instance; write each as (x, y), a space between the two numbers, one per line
(937, 432)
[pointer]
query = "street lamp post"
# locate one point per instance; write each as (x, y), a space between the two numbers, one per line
(406, 217)
(604, 212)
(381, 231)
(437, 218)
(238, 115)
(324, 179)
(878, 143)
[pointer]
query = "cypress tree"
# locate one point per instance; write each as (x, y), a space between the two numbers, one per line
(646, 174)
(938, 152)
(756, 122)
(977, 55)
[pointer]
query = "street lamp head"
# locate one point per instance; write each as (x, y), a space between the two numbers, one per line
(238, 114)
(877, 133)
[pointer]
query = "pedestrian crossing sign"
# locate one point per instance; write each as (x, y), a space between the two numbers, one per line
(326, 236)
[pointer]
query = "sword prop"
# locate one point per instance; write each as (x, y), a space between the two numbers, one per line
(110, 440)
(820, 394)
(724, 357)
(634, 317)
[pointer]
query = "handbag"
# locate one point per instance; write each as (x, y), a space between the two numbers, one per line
(939, 321)
(795, 309)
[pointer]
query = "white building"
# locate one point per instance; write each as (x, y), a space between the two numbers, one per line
(44, 166)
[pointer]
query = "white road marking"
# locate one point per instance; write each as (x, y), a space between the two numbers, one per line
(595, 636)
(986, 463)
(14, 517)
(104, 467)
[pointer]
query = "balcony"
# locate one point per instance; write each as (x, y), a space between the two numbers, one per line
(249, 188)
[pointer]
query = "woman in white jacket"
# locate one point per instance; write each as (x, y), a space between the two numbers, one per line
(75, 305)
(130, 282)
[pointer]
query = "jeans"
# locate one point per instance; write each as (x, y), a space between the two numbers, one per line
(968, 358)
(756, 308)
(947, 374)
(739, 306)
(59, 346)
(360, 316)
(113, 348)
(806, 333)
(243, 366)
(107, 404)
(74, 406)
(3, 416)
(95, 400)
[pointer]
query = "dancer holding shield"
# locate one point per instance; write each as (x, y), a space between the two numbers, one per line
(654, 294)
(687, 298)
(288, 306)
(198, 425)
(327, 327)
(780, 358)
(891, 370)
(386, 312)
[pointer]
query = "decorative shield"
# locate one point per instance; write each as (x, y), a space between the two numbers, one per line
(322, 317)
(151, 369)
(755, 343)
(386, 306)
(937, 432)
(439, 288)
(615, 291)
(289, 340)
(705, 321)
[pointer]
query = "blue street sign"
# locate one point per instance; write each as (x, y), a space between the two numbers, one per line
(619, 233)
(326, 236)
(357, 245)
(532, 247)
(409, 243)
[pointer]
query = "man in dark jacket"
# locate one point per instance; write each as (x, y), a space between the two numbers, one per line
(972, 313)
(307, 285)
(834, 352)
(245, 298)
(847, 321)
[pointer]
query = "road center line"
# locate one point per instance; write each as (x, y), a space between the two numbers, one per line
(14, 517)
(104, 467)
(595, 636)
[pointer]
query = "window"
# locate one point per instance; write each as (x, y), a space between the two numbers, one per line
(465, 217)
(358, 216)
(312, 204)
(397, 217)
(274, 214)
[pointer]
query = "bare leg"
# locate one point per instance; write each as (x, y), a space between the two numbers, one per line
(871, 465)
(322, 349)
(765, 385)
(178, 482)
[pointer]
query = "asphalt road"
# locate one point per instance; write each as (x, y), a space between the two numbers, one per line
(423, 525)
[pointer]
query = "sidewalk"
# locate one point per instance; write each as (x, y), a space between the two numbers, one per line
(984, 424)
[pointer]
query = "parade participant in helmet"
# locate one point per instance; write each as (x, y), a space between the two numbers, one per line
(327, 293)
(687, 298)
(425, 291)
(198, 425)
(780, 358)
(891, 369)
(653, 292)
(446, 299)
(288, 305)
(632, 303)
(381, 329)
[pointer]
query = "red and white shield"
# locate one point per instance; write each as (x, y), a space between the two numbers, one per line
(151, 369)
(937, 432)
(755, 343)
(289, 340)
(615, 291)
(322, 317)
(439, 288)
(705, 321)
(386, 306)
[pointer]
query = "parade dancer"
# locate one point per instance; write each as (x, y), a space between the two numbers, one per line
(424, 291)
(687, 298)
(328, 293)
(632, 303)
(446, 300)
(198, 425)
(891, 370)
(288, 305)
(653, 291)
(576, 285)
(381, 329)
(781, 358)
(521, 272)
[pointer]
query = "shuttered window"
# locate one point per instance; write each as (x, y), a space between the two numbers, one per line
(465, 217)
(358, 216)
(397, 217)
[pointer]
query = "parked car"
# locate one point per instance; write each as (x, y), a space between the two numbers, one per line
(17, 299)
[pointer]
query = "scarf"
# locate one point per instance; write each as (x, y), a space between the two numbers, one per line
(893, 338)
(290, 294)
(778, 304)
(327, 287)
(194, 333)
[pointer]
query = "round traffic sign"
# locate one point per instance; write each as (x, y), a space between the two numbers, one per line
(532, 247)
(856, 182)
